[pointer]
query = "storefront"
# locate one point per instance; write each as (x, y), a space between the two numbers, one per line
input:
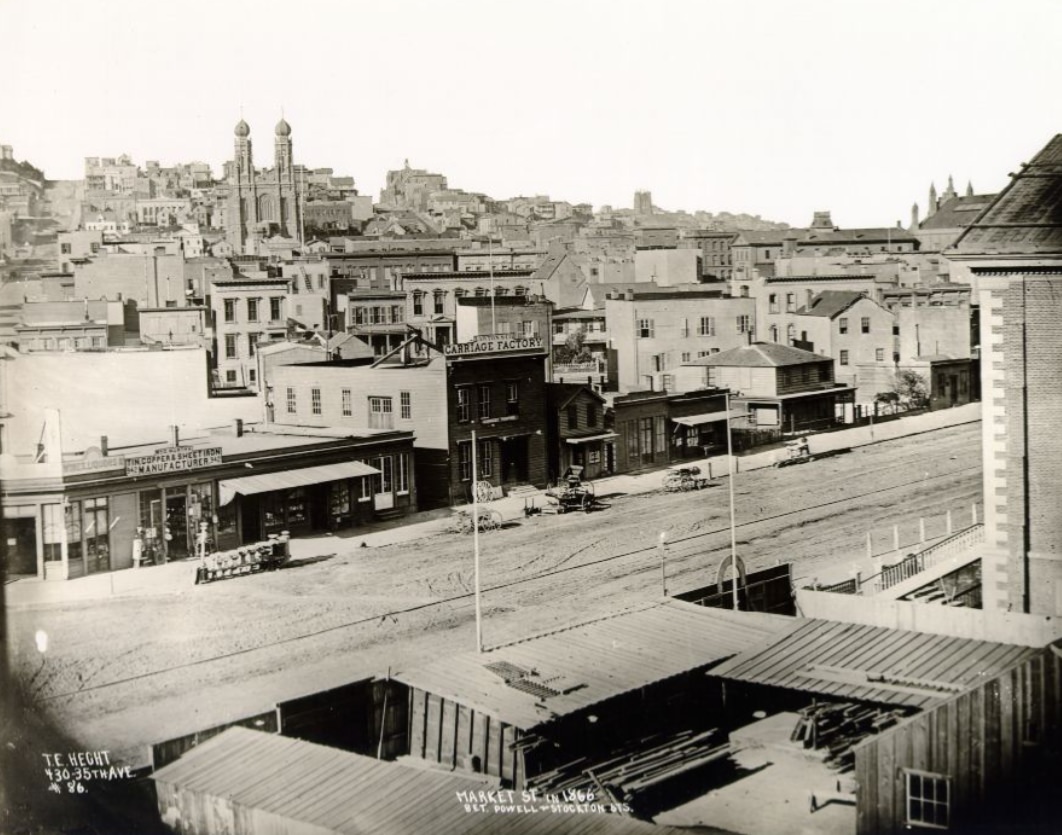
(103, 511)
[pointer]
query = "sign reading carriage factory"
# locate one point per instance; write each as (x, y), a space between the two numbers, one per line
(173, 459)
(493, 345)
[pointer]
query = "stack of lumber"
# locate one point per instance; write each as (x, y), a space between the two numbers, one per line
(637, 766)
(837, 727)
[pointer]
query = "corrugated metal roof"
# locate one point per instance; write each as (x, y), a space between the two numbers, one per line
(586, 664)
(341, 792)
(872, 663)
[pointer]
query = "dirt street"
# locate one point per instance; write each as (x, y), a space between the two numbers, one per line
(126, 672)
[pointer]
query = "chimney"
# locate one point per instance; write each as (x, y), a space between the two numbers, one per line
(103, 445)
(628, 295)
(175, 435)
(238, 427)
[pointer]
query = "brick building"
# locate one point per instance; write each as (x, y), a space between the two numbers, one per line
(1013, 252)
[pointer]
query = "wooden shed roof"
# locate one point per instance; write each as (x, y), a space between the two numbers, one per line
(872, 663)
(323, 789)
(537, 680)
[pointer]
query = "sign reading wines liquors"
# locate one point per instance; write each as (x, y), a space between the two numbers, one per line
(493, 345)
(173, 459)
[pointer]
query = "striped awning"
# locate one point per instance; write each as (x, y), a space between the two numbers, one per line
(287, 479)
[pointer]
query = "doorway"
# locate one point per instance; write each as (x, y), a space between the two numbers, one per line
(177, 526)
(20, 547)
(514, 460)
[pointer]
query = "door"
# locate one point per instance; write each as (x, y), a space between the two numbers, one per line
(383, 484)
(176, 526)
(20, 546)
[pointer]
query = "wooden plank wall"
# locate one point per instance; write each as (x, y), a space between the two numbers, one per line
(455, 735)
(164, 753)
(987, 740)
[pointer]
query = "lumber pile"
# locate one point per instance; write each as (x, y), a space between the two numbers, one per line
(635, 767)
(837, 727)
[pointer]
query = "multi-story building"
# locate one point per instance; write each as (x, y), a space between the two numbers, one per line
(77, 244)
(382, 267)
(653, 333)
(409, 188)
(577, 435)
(499, 258)
(857, 332)
(262, 204)
(245, 313)
(431, 297)
(70, 326)
(1013, 253)
(502, 316)
(715, 247)
(667, 267)
(377, 317)
(110, 174)
(163, 211)
(779, 389)
(488, 389)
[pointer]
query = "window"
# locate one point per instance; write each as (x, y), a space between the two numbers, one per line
(685, 328)
(529, 328)
(402, 473)
(440, 298)
(790, 302)
(591, 415)
(879, 354)
(274, 309)
(772, 303)
(744, 324)
(844, 358)
(65, 249)
(380, 414)
(864, 324)
(230, 376)
(646, 432)
(230, 310)
(842, 325)
(97, 529)
(667, 382)
(315, 401)
(292, 405)
(348, 410)
(485, 461)
(405, 404)
(773, 331)
(252, 375)
(252, 343)
(464, 460)
(252, 310)
(464, 402)
(480, 292)
(928, 799)
(418, 303)
(519, 291)
(484, 401)
(512, 399)
(706, 327)
(660, 425)
(230, 346)
(645, 328)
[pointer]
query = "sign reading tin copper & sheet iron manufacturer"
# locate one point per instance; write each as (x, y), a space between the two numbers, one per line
(173, 459)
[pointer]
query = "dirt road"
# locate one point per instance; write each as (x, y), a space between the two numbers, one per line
(124, 673)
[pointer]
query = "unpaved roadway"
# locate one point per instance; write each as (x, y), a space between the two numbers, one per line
(123, 673)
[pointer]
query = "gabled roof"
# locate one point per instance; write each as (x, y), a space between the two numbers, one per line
(958, 212)
(772, 237)
(561, 394)
(894, 234)
(1026, 217)
(831, 303)
(760, 355)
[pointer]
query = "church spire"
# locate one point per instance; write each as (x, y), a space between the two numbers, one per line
(914, 217)
(969, 189)
(932, 207)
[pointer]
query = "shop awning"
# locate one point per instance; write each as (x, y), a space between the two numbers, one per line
(605, 437)
(707, 417)
(287, 479)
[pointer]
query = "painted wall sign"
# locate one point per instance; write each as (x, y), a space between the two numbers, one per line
(493, 345)
(173, 459)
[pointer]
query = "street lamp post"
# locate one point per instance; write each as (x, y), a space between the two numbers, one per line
(730, 480)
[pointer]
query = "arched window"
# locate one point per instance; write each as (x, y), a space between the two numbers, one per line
(790, 334)
(774, 333)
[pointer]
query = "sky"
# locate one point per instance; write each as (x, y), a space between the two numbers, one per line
(774, 108)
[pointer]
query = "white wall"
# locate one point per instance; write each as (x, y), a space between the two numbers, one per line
(129, 396)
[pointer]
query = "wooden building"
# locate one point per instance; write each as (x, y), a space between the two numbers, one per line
(577, 433)
(520, 711)
(246, 782)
